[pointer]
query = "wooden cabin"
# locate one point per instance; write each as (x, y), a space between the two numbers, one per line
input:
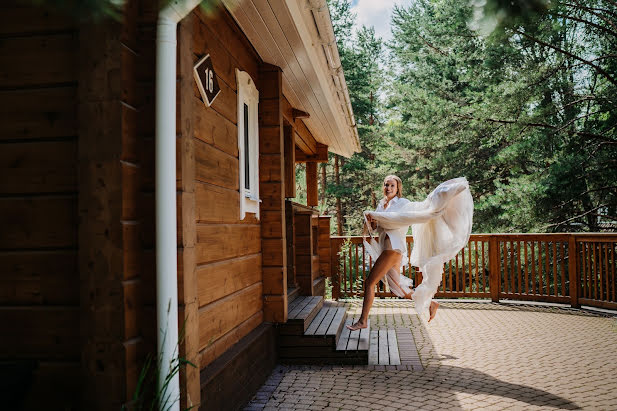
(77, 204)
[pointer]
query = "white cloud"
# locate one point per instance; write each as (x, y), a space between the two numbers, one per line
(376, 13)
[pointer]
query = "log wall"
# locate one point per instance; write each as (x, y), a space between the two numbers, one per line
(39, 280)
(227, 252)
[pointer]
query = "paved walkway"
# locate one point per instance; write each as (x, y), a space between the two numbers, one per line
(474, 356)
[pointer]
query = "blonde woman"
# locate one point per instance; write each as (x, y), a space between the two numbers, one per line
(441, 225)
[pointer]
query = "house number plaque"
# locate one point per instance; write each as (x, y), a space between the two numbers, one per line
(206, 80)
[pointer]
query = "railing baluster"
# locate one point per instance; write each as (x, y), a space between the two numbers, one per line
(533, 266)
(613, 279)
(595, 273)
(526, 262)
(512, 269)
(562, 250)
(456, 273)
(584, 264)
(605, 273)
(483, 269)
(555, 268)
(519, 269)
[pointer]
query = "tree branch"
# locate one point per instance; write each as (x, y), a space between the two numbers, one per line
(575, 217)
(598, 69)
(433, 47)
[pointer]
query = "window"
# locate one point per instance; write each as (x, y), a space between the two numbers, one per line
(248, 144)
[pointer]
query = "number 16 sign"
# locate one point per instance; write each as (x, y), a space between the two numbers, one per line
(206, 80)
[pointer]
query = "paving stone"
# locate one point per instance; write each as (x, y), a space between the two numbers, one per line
(472, 356)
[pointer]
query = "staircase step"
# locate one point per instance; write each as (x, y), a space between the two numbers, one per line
(354, 340)
(292, 294)
(318, 344)
(302, 311)
(328, 322)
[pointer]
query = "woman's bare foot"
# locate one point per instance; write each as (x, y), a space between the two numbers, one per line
(357, 326)
(432, 310)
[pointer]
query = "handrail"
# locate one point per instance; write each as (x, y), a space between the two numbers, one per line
(516, 266)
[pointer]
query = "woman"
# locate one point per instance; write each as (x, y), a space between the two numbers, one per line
(441, 225)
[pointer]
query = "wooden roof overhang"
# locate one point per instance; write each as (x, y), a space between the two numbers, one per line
(284, 33)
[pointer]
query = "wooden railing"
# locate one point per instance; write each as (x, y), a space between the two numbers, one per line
(565, 268)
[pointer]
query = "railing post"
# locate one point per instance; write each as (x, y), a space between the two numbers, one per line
(494, 280)
(335, 246)
(573, 272)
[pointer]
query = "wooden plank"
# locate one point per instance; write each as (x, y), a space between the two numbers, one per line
(304, 301)
(304, 139)
(295, 303)
(215, 349)
(384, 355)
(321, 156)
(221, 279)
(214, 204)
(39, 277)
(224, 241)
(311, 185)
(329, 323)
(313, 307)
(394, 358)
(334, 327)
(373, 350)
(319, 318)
(19, 18)
(344, 338)
(211, 127)
(354, 339)
(40, 332)
(43, 222)
(215, 167)
(290, 162)
(219, 318)
(20, 64)
(365, 333)
(38, 113)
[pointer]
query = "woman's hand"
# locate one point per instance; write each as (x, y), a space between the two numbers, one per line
(371, 221)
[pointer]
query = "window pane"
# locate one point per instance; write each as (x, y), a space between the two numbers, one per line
(247, 154)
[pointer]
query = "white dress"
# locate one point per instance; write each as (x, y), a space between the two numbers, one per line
(397, 282)
(441, 225)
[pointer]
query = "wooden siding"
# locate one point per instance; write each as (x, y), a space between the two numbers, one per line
(39, 284)
(227, 250)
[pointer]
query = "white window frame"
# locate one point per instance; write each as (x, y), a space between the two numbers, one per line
(249, 95)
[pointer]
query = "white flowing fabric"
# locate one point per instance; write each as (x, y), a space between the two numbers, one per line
(441, 225)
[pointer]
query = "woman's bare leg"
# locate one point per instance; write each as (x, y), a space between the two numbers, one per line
(386, 260)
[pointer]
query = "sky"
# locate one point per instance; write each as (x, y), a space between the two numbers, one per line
(376, 13)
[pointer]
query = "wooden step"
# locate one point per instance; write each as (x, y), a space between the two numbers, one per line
(318, 344)
(384, 348)
(292, 294)
(301, 311)
(354, 340)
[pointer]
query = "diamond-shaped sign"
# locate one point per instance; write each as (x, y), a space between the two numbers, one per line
(206, 80)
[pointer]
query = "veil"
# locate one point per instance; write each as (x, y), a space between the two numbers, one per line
(441, 225)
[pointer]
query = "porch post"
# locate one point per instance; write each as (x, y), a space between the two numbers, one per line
(493, 263)
(272, 193)
(573, 271)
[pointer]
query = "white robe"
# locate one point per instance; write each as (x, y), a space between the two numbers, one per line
(441, 225)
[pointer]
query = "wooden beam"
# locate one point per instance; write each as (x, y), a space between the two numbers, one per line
(290, 162)
(299, 114)
(311, 184)
(321, 156)
(304, 138)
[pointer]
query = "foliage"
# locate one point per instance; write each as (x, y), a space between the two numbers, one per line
(524, 109)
